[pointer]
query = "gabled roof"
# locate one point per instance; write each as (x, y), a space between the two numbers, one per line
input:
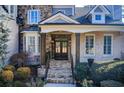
(102, 7)
(59, 16)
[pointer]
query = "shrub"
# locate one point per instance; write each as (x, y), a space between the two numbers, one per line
(7, 75)
(121, 74)
(111, 83)
(39, 82)
(87, 83)
(1, 80)
(23, 73)
(19, 84)
(18, 59)
(9, 67)
(108, 71)
(80, 71)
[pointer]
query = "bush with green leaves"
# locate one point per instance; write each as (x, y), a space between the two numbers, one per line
(108, 71)
(80, 72)
(9, 67)
(7, 75)
(111, 83)
(39, 82)
(19, 84)
(23, 73)
(87, 83)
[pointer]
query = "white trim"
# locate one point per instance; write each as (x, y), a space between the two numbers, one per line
(73, 11)
(29, 32)
(89, 55)
(113, 12)
(36, 42)
(81, 28)
(60, 15)
(29, 16)
(98, 21)
(105, 55)
(105, 10)
(14, 14)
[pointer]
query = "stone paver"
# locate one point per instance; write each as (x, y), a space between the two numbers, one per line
(58, 85)
(60, 72)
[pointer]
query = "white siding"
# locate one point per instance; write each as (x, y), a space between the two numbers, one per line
(13, 38)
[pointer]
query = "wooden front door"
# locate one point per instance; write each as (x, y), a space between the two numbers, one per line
(61, 50)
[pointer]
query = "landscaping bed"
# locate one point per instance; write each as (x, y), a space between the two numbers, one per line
(19, 77)
(108, 71)
(101, 73)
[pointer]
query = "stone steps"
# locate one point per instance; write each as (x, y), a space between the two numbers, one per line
(59, 72)
(60, 80)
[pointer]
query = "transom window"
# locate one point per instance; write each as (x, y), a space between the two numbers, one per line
(98, 17)
(89, 45)
(107, 44)
(33, 16)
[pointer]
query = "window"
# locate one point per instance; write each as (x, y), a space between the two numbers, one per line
(89, 45)
(31, 44)
(33, 16)
(107, 44)
(39, 44)
(12, 10)
(98, 17)
(24, 44)
(63, 11)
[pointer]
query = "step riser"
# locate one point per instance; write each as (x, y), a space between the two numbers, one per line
(59, 81)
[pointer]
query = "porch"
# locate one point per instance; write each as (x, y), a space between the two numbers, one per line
(63, 40)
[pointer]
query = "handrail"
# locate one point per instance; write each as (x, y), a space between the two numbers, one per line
(47, 64)
(72, 66)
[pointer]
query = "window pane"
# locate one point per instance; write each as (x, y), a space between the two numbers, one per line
(33, 16)
(107, 44)
(89, 44)
(11, 9)
(39, 44)
(31, 44)
(98, 17)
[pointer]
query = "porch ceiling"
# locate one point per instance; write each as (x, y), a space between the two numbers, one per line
(81, 28)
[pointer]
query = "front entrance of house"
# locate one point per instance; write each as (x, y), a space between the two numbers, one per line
(60, 47)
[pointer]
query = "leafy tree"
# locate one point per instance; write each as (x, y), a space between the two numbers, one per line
(4, 33)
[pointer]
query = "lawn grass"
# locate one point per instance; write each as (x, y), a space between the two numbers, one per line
(107, 71)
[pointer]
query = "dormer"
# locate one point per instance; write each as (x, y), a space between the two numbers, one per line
(98, 14)
(68, 10)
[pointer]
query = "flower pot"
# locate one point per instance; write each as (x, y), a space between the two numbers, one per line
(90, 61)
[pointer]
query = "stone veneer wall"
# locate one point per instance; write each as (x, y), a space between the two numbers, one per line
(46, 11)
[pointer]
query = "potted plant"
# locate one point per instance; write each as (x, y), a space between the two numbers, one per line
(90, 61)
